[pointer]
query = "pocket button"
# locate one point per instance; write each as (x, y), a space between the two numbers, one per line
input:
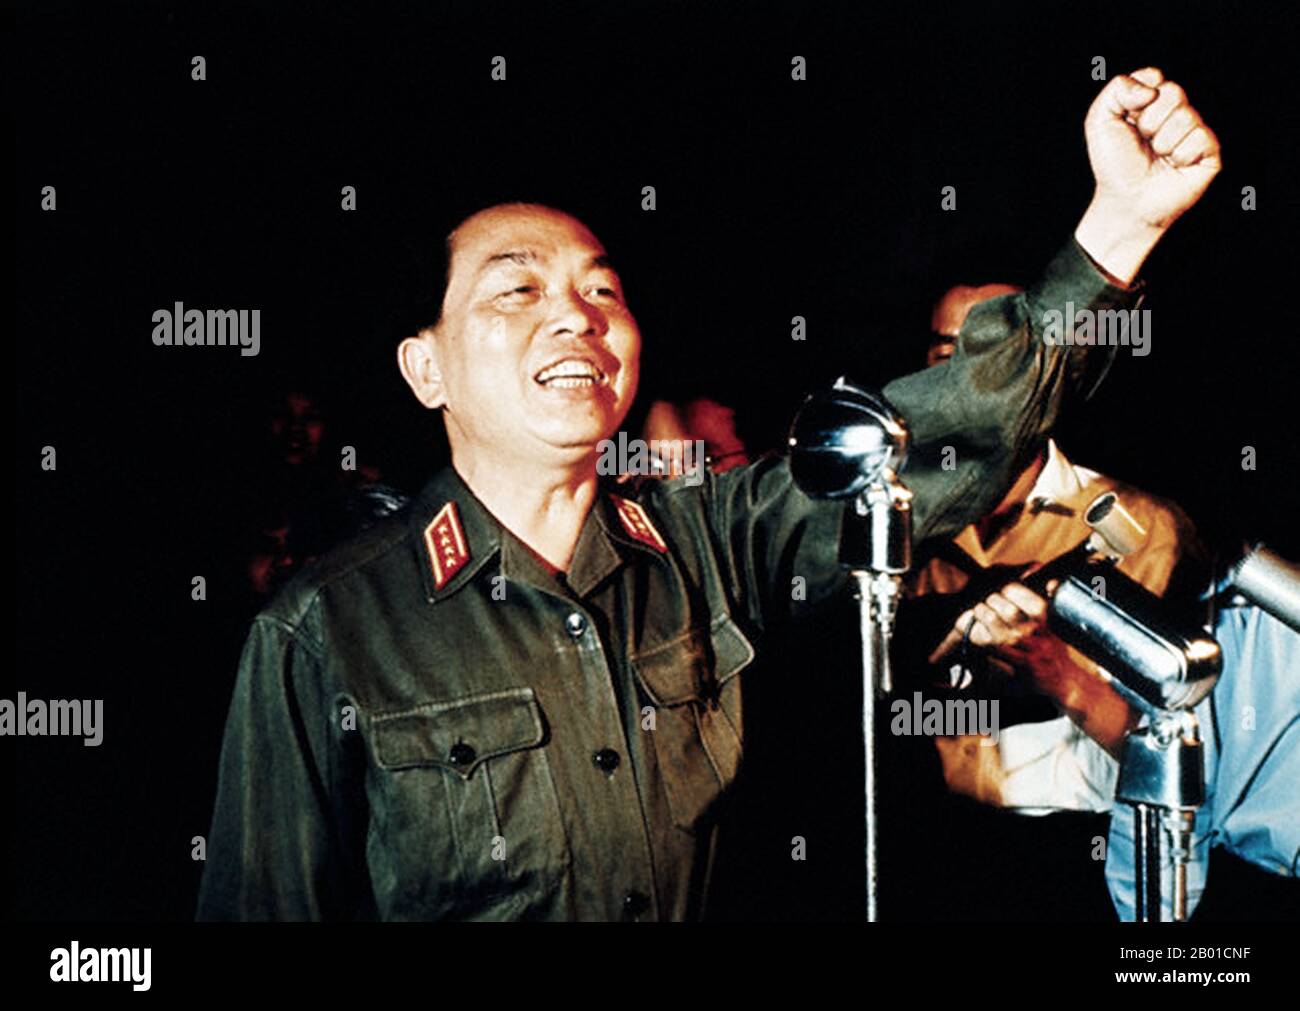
(462, 754)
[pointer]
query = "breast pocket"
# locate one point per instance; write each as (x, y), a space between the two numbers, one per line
(698, 731)
(465, 809)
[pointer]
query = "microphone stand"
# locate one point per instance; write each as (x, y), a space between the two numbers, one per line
(1163, 669)
(1162, 775)
(887, 507)
(850, 443)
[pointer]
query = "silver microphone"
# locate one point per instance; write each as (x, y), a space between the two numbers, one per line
(1153, 659)
(1268, 581)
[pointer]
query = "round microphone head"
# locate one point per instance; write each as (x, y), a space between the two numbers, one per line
(843, 440)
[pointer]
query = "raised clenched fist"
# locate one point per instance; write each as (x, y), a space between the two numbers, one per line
(1150, 150)
(1152, 157)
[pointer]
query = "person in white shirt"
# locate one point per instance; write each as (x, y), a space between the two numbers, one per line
(1060, 725)
(1067, 763)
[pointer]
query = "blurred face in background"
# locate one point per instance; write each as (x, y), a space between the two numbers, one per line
(700, 420)
(297, 429)
(950, 313)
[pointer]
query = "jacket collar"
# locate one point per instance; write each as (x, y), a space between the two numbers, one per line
(1061, 494)
(454, 536)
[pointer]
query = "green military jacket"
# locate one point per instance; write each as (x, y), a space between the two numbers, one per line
(428, 725)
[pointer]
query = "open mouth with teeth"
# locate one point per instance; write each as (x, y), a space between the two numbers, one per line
(571, 374)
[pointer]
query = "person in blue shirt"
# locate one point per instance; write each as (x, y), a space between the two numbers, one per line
(1250, 726)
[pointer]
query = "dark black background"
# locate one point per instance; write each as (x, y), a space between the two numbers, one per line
(775, 198)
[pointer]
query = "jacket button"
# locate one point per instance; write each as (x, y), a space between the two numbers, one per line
(635, 903)
(575, 624)
(462, 754)
(606, 759)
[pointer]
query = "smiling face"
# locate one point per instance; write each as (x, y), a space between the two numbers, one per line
(536, 354)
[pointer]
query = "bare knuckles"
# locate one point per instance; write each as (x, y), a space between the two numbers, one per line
(1151, 152)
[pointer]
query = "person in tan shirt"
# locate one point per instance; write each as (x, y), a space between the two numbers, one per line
(1068, 762)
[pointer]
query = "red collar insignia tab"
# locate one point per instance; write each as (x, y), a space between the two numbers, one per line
(638, 524)
(445, 539)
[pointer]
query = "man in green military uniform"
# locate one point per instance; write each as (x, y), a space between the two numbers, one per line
(521, 697)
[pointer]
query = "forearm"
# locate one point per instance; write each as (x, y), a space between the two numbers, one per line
(1116, 242)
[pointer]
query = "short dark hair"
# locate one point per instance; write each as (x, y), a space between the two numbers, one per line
(437, 260)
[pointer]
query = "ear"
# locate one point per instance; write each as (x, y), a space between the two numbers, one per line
(417, 358)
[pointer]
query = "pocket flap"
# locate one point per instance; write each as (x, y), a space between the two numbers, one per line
(694, 666)
(459, 734)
